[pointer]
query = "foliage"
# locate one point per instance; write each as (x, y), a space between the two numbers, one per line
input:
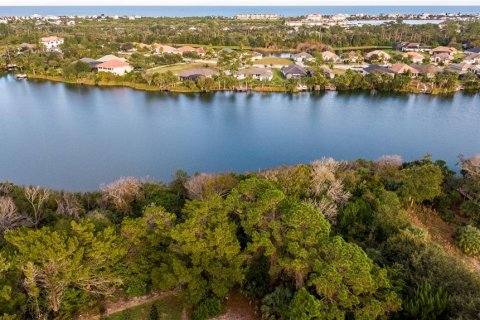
(469, 240)
(425, 303)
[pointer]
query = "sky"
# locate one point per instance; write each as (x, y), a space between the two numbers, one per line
(239, 2)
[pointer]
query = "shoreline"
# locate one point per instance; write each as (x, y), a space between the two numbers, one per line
(267, 89)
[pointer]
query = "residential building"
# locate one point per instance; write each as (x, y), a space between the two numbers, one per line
(442, 58)
(262, 74)
(294, 71)
(117, 67)
(327, 72)
(351, 57)
(52, 43)
(160, 48)
(415, 47)
(257, 16)
(302, 57)
(378, 55)
(427, 70)
(460, 68)
(110, 57)
(254, 56)
(402, 68)
(195, 73)
(448, 50)
(330, 56)
(473, 58)
(376, 69)
(415, 57)
(92, 62)
(473, 50)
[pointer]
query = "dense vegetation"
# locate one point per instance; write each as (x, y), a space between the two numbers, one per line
(328, 240)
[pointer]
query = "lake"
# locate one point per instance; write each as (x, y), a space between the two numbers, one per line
(77, 137)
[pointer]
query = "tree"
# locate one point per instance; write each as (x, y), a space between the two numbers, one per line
(54, 263)
(10, 218)
(426, 303)
(37, 198)
(469, 240)
(122, 193)
(421, 182)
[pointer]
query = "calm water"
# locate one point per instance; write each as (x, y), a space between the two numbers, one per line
(182, 11)
(76, 137)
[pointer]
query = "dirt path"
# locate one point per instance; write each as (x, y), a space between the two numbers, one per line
(123, 304)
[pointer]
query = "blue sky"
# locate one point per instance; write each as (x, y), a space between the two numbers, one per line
(239, 2)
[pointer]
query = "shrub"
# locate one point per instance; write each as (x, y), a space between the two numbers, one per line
(208, 308)
(469, 240)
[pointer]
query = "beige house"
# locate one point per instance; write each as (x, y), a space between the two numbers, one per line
(330, 56)
(415, 57)
(402, 68)
(52, 43)
(116, 67)
(381, 55)
(262, 74)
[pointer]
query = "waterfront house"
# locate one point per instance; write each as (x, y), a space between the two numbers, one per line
(377, 55)
(294, 71)
(443, 58)
(448, 50)
(302, 57)
(262, 74)
(460, 68)
(327, 72)
(195, 73)
(52, 43)
(378, 70)
(329, 56)
(415, 57)
(427, 70)
(254, 56)
(117, 67)
(473, 58)
(92, 62)
(402, 68)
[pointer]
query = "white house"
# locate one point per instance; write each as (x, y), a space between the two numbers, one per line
(262, 74)
(302, 57)
(330, 56)
(116, 67)
(52, 43)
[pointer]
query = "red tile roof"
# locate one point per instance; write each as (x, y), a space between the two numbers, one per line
(113, 64)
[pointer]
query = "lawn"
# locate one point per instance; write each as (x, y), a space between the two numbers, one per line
(175, 68)
(274, 61)
(168, 308)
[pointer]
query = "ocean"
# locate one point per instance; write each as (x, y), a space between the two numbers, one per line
(228, 11)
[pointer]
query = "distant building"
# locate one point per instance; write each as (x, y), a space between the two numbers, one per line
(195, 73)
(402, 68)
(376, 69)
(110, 57)
(257, 16)
(378, 54)
(473, 58)
(427, 70)
(302, 57)
(448, 50)
(160, 48)
(52, 43)
(415, 57)
(413, 47)
(116, 67)
(294, 71)
(473, 50)
(330, 56)
(443, 58)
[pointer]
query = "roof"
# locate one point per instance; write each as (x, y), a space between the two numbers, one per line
(443, 56)
(206, 72)
(304, 55)
(379, 53)
(444, 49)
(329, 54)
(294, 69)
(109, 57)
(51, 38)
(414, 55)
(402, 68)
(186, 49)
(425, 68)
(113, 64)
(165, 48)
(472, 56)
(377, 69)
(87, 60)
(474, 50)
(256, 71)
(458, 67)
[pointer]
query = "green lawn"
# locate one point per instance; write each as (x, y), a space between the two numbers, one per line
(273, 61)
(175, 68)
(168, 308)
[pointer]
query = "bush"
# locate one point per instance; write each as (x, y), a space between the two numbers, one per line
(469, 240)
(276, 304)
(208, 308)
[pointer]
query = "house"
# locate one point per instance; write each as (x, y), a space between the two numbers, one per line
(415, 57)
(330, 56)
(294, 71)
(473, 58)
(184, 49)
(448, 50)
(110, 57)
(302, 57)
(117, 67)
(327, 72)
(92, 62)
(402, 68)
(52, 43)
(460, 68)
(195, 73)
(379, 70)
(473, 50)
(475, 69)
(160, 48)
(351, 57)
(262, 74)
(427, 70)
(415, 47)
(443, 58)
(377, 55)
